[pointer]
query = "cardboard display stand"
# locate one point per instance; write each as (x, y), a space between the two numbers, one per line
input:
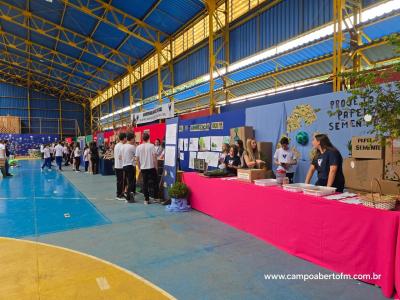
(360, 172)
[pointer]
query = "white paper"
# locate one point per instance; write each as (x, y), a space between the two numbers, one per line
(216, 143)
(181, 145)
(194, 144)
(192, 156)
(182, 156)
(204, 143)
(212, 159)
(185, 144)
(170, 138)
(170, 156)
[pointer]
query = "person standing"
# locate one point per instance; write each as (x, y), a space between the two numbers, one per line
(284, 158)
(86, 158)
(147, 163)
(158, 148)
(47, 157)
(8, 153)
(66, 154)
(42, 150)
(119, 167)
(128, 158)
(328, 163)
(3, 156)
(94, 157)
(77, 157)
(59, 152)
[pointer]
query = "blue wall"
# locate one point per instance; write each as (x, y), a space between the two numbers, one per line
(230, 119)
(14, 102)
(270, 123)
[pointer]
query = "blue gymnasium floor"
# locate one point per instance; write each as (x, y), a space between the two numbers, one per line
(34, 203)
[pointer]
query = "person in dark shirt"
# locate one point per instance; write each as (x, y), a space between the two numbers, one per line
(232, 160)
(328, 163)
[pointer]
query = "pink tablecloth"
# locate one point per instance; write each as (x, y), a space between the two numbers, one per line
(346, 238)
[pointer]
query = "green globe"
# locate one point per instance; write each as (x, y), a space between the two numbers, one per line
(302, 138)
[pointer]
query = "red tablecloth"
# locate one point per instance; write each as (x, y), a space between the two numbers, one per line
(347, 238)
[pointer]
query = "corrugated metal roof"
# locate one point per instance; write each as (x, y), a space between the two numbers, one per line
(164, 15)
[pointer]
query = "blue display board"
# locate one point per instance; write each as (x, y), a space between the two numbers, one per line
(218, 125)
(302, 118)
(21, 143)
(171, 141)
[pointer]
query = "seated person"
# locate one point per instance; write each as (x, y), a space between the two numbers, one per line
(224, 153)
(252, 157)
(232, 160)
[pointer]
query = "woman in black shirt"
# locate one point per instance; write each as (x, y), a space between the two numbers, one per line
(328, 163)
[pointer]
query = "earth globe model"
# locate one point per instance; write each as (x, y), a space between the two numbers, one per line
(302, 138)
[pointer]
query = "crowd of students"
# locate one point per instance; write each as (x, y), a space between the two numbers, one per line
(70, 154)
(127, 157)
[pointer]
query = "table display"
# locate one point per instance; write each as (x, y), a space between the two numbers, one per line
(340, 236)
(106, 167)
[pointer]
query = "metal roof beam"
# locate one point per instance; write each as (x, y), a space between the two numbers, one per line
(68, 37)
(50, 55)
(44, 69)
(11, 76)
(118, 19)
(60, 84)
(148, 13)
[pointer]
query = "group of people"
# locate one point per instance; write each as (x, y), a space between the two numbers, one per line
(127, 157)
(70, 154)
(327, 161)
(5, 155)
(235, 156)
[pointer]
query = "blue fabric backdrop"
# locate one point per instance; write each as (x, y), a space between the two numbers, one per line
(169, 176)
(21, 143)
(270, 123)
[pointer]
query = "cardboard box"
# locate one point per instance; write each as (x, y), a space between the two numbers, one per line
(359, 173)
(389, 187)
(366, 147)
(392, 160)
(251, 174)
(241, 133)
(265, 149)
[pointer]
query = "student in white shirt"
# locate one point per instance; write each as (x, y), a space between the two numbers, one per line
(77, 157)
(119, 167)
(66, 154)
(128, 161)
(285, 158)
(47, 157)
(147, 163)
(86, 158)
(42, 150)
(158, 148)
(59, 152)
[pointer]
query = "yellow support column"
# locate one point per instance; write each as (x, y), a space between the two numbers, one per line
(158, 47)
(211, 7)
(338, 6)
(60, 127)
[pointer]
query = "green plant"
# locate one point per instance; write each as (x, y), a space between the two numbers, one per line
(178, 190)
(378, 102)
(349, 147)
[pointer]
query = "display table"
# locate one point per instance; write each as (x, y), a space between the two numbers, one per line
(347, 238)
(106, 167)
